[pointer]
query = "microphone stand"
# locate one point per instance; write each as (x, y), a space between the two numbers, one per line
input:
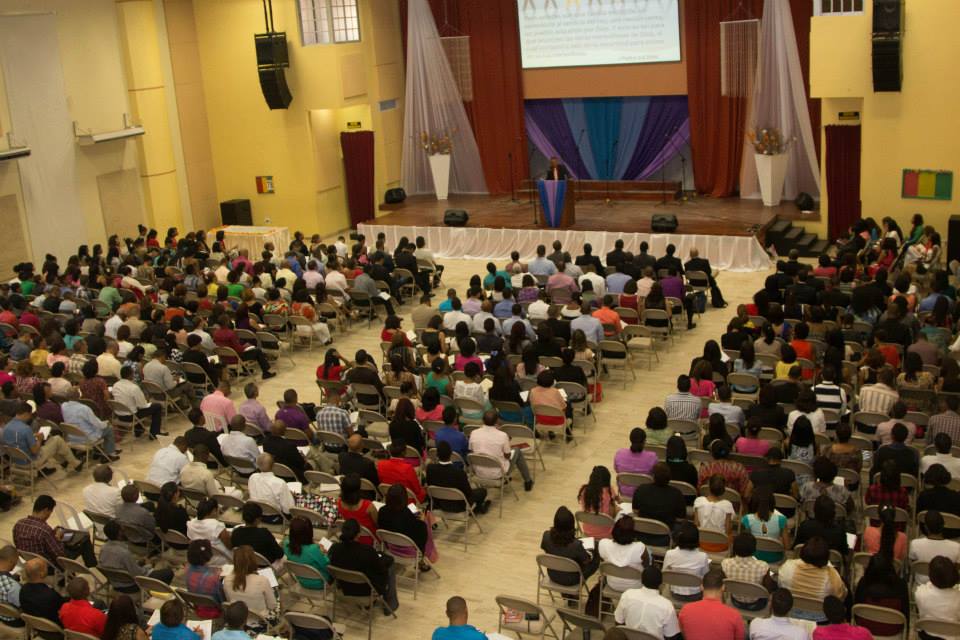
(534, 195)
(579, 140)
(663, 170)
(513, 188)
(613, 151)
(683, 168)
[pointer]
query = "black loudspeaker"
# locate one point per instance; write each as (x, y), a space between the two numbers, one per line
(805, 202)
(273, 84)
(455, 217)
(888, 16)
(953, 239)
(236, 212)
(663, 223)
(271, 49)
(394, 196)
(887, 65)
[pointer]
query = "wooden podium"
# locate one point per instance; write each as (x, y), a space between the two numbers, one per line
(557, 202)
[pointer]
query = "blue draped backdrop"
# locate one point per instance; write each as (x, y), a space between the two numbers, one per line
(609, 138)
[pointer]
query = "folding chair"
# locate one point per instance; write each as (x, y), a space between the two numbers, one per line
(680, 579)
(523, 438)
(548, 562)
(634, 634)
(499, 479)
(153, 593)
(449, 495)
(536, 621)
(405, 553)
(736, 591)
(880, 615)
(198, 379)
(938, 628)
(298, 620)
(651, 527)
(196, 600)
(365, 603)
(37, 626)
(298, 590)
(622, 360)
(634, 479)
(541, 411)
(79, 441)
(639, 339)
(574, 620)
(23, 470)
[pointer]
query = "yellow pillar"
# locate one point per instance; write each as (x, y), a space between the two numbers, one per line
(139, 31)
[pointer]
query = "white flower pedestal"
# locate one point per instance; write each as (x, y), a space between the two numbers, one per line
(771, 171)
(440, 168)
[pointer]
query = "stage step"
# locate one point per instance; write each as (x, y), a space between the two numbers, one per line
(806, 240)
(819, 247)
(785, 237)
(793, 234)
(779, 227)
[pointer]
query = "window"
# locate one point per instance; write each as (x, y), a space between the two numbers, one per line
(326, 21)
(838, 7)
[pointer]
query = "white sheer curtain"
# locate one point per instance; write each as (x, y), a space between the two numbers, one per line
(780, 99)
(434, 106)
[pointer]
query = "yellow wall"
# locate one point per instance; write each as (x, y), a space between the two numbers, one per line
(915, 128)
(248, 139)
(93, 75)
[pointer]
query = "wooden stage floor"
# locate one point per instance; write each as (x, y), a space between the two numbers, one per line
(702, 216)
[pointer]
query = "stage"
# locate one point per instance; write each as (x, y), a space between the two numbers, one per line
(724, 230)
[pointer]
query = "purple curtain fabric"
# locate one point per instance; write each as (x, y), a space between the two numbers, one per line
(542, 142)
(665, 117)
(673, 146)
(551, 118)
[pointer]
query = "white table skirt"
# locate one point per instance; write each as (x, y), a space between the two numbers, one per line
(254, 238)
(729, 253)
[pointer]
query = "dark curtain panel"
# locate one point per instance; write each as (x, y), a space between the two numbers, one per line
(843, 177)
(357, 149)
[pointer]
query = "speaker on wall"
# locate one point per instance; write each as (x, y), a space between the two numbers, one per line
(953, 238)
(273, 84)
(888, 16)
(271, 49)
(887, 65)
(236, 212)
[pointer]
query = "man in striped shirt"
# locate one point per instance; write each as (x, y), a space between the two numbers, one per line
(880, 397)
(829, 394)
(682, 405)
(947, 422)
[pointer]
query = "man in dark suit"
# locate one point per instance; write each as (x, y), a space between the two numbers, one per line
(617, 256)
(195, 355)
(644, 259)
(905, 457)
(589, 258)
(696, 263)
(353, 461)
(407, 260)
(284, 451)
(556, 171)
(365, 372)
(446, 474)
(804, 291)
(669, 260)
(199, 434)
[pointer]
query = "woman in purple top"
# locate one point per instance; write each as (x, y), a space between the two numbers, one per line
(634, 459)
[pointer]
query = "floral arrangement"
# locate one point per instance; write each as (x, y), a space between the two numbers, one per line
(435, 144)
(769, 142)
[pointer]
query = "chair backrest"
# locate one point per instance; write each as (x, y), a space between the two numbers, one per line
(634, 479)
(578, 620)
(522, 605)
(635, 634)
(446, 494)
(303, 571)
(680, 579)
(299, 620)
(547, 561)
(878, 615)
(650, 526)
(938, 628)
(42, 625)
(346, 576)
(196, 600)
(745, 592)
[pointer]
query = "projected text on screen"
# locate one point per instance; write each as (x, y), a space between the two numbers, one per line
(575, 33)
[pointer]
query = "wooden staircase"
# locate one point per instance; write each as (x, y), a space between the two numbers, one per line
(784, 236)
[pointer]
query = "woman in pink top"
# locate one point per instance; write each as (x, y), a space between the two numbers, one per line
(598, 496)
(701, 383)
(468, 350)
(634, 459)
(886, 537)
(751, 444)
(837, 627)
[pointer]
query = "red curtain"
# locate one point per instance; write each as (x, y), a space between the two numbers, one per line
(496, 111)
(843, 177)
(358, 168)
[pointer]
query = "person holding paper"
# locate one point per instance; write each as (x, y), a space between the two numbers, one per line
(397, 517)
(197, 475)
(247, 586)
(252, 534)
(353, 555)
(43, 450)
(102, 496)
(171, 625)
(237, 444)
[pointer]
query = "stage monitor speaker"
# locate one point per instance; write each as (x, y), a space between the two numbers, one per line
(663, 223)
(455, 217)
(271, 49)
(888, 17)
(805, 202)
(236, 212)
(273, 84)
(394, 196)
(887, 64)
(953, 238)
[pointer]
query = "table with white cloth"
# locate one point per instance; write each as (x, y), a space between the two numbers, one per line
(254, 238)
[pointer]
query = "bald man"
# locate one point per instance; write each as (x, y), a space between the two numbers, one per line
(353, 461)
(37, 598)
(266, 487)
(458, 629)
(696, 263)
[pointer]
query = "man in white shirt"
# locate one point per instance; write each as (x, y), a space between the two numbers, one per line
(944, 456)
(157, 372)
(778, 626)
(336, 280)
(107, 364)
(539, 309)
(481, 316)
(341, 246)
(222, 271)
(198, 477)
(452, 318)
(236, 443)
(127, 393)
(489, 440)
(200, 329)
(599, 284)
(939, 599)
(168, 462)
(113, 324)
(102, 496)
(927, 548)
(644, 609)
(265, 487)
(541, 266)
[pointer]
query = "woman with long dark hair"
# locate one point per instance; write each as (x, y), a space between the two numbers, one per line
(598, 496)
(881, 586)
(764, 521)
(561, 540)
(404, 425)
(123, 621)
(300, 547)
(396, 517)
